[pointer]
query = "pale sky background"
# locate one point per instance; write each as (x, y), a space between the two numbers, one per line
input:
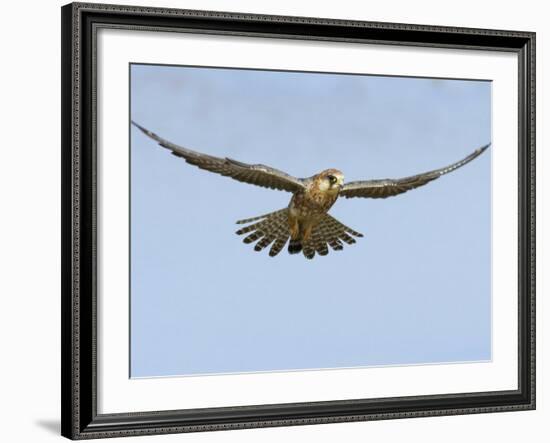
(416, 289)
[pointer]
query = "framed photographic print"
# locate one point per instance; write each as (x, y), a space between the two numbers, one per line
(273, 221)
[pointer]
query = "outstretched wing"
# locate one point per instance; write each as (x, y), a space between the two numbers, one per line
(259, 175)
(390, 187)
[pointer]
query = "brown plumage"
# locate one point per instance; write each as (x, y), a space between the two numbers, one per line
(269, 229)
(308, 207)
(305, 223)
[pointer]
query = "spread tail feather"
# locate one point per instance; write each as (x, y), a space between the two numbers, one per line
(269, 229)
(328, 232)
(273, 229)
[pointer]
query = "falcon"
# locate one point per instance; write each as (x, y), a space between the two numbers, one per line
(305, 222)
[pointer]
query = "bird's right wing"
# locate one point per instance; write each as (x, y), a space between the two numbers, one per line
(389, 187)
(259, 175)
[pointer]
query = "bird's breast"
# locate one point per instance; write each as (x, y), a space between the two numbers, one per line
(311, 202)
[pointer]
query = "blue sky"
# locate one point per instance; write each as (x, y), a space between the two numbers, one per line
(416, 289)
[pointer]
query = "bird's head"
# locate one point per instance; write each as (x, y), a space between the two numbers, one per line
(331, 180)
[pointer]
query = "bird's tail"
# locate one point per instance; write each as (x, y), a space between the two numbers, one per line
(328, 232)
(269, 229)
(273, 229)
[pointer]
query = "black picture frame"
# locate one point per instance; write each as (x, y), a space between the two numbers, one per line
(79, 212)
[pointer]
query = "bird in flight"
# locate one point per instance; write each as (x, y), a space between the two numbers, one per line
(305, 221)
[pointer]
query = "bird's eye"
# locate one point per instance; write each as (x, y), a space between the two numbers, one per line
(332, 179)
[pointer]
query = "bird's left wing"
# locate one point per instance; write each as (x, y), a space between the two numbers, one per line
(389, 187)
(259, 175)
